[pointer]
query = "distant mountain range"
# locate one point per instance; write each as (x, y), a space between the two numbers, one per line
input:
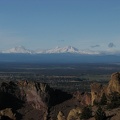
(19, 49)
(67, 54)
(57, 50)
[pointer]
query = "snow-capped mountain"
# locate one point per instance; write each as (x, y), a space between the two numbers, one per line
(68, 49)
(57, 50)
(67, 54)
(19, 49)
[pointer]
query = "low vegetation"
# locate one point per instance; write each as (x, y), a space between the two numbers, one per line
(100, 114)
(86, 112)
(114, 101)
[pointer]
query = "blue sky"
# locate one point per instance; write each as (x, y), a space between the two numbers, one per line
(44, 24)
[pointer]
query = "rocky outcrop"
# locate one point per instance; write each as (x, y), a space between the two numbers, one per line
(114, 84)
(96, 92)
(30, 99)
(83, 97)
(7, 114)
(74, 114)
(28, 94)
(37, 101)
(60, 116)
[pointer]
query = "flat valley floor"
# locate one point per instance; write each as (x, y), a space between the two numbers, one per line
(68, 77)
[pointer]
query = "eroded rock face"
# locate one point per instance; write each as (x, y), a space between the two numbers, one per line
(74, 114)
(32, 95)
(114, 84)
(7, 113)
(35, 95)
(83, 97)
(30, 99)
(60, 116)
(96, 92)
(86, 99)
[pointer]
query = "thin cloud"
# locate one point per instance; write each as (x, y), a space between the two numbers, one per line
(62, 40)
(111, 45)
(94, 46)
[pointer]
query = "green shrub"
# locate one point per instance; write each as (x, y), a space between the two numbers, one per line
(100, 114)
(96, 103)
(86, 112)
(103, 100)
(114, 99)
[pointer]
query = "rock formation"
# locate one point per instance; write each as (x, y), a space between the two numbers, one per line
(32, 95)
(74, 114)
(60, 116)
(83, 97)
(96, 92)
(114, 84)
(7, 113)
(29, 99)
(23, 100)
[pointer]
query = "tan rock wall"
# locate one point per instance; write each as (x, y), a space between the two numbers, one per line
(74, 114)
(114, 84)
(96, 92)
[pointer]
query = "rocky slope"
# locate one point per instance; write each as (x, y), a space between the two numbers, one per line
(28, 100)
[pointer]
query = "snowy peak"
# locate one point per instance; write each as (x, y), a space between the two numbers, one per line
(71, 49)
(57, 50)
(19, 49)
(68, 49)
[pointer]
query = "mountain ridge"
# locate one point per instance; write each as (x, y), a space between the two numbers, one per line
(59, 50)
(19, 49)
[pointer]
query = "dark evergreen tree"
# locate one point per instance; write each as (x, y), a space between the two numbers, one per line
(100, 114)
(86, 112)
(114, 99)
(103, 100)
